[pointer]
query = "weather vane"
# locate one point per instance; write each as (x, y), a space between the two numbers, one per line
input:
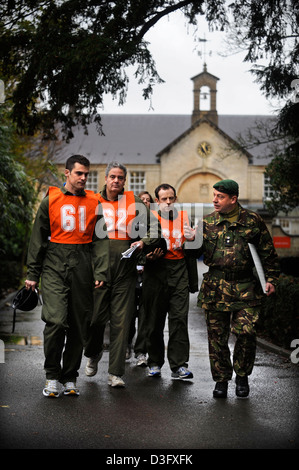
(203, 52)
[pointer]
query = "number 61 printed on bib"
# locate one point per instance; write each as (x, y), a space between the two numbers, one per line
(69, 218)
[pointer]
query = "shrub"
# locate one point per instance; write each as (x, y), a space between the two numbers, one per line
(289, 265)
(279, 319)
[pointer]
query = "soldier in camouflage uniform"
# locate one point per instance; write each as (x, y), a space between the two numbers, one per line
(230, 293)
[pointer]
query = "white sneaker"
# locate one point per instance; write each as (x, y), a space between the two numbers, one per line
(154, 371)
(182, 373)
(141, 360)
(70, 388)
(115, 381)
(51, 389)
(91, 367)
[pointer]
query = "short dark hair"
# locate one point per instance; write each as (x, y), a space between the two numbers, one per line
(164, 186)
(70, 163)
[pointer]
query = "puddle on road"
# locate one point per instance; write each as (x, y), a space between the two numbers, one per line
(22, 340)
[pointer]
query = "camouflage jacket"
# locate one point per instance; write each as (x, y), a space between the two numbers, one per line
(230, 283)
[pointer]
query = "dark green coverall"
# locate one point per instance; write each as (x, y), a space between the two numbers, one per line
(116, 302)
(166, 287)
(67, 282)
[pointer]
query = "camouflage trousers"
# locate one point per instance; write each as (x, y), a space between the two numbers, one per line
(219, 326)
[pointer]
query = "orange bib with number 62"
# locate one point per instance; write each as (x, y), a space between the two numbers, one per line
(119, 215)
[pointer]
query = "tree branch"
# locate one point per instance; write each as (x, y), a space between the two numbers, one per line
(160, 15)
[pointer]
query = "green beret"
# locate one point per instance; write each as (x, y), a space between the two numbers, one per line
(227, 186)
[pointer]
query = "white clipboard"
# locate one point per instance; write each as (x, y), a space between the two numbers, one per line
(258, 266)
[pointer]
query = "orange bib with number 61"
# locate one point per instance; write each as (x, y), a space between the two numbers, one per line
(72, 218)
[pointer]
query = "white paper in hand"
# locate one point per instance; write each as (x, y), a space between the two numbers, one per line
(128, 253)
(258, 266)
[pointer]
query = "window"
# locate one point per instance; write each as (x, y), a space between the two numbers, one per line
(285, 225)
(92, 181)
(268, 190)
(137, 181)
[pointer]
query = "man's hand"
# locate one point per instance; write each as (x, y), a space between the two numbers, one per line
(30, 284)
(139, 244)
(189, 232)
(156, 254)
(99, 284)
(270, 289)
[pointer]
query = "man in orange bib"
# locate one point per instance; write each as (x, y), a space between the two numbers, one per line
(62, 249)
(166, 289)
(116, 302)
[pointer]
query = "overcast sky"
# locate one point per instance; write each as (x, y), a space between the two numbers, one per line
(176, 52)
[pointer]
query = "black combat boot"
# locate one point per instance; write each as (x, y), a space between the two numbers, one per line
(242, 387)
(220, 390)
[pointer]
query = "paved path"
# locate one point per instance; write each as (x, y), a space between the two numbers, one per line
(162, 414)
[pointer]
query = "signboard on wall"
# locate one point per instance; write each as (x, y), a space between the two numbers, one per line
(282, 242)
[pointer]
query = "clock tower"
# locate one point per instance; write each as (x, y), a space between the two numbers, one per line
(204, 97)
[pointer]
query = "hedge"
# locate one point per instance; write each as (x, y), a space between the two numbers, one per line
(279, 318)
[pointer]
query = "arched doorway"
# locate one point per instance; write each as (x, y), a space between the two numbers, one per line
(197, 188)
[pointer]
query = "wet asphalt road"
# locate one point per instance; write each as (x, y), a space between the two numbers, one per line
(162, 414)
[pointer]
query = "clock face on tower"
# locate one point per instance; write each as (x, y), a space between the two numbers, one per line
(204, 149)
